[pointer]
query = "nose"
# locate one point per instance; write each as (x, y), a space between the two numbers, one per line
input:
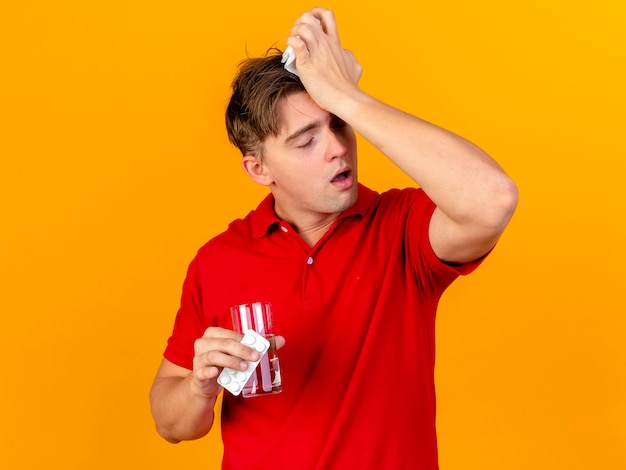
(336, 146)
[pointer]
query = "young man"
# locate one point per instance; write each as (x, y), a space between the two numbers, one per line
(354, 276)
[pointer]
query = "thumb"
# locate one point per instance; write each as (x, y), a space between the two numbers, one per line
(280, 341)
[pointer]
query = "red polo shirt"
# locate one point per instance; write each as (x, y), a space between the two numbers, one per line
(358, 314)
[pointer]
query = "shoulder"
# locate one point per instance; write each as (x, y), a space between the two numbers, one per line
(403, 203)
(404, 196)
(241, 231)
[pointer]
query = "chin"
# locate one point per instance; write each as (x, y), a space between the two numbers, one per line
(348, 199)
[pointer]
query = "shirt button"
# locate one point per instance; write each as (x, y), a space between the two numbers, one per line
(310, 260)
(284, 229)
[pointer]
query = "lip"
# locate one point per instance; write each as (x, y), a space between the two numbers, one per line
(344, 182)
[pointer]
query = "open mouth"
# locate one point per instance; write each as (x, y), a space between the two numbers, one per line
(344, 175)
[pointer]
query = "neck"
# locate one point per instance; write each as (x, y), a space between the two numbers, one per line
(312, 235)
(311, 227)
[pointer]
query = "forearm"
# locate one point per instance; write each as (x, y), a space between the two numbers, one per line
(179, 412)
(467, 186)
(463, 181)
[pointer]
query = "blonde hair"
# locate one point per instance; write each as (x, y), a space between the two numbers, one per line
(252, 112)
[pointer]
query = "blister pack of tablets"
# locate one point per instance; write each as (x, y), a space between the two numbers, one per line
(234, 380)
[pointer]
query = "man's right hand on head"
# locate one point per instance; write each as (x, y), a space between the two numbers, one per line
(327, 70)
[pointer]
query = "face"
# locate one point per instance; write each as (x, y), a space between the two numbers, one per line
(311, 165)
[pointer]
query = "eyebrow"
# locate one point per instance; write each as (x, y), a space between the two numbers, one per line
(302, 130)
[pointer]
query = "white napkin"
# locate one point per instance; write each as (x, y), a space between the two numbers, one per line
(289, 59)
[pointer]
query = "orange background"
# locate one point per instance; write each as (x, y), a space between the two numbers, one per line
(115, 168)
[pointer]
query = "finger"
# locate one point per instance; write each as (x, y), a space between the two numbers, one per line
(311, 19)
(217, 332)
(279, 341)
(205, 380)
(212, 362)
(224, 346)
(207, 373)
(327, 20)
(309, 23)
(224, 340)
(300, 49)
(307, 32)
(358, 68)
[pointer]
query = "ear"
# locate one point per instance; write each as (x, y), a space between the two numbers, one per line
(255, 168)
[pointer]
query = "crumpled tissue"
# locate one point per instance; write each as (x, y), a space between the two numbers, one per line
(289, 59)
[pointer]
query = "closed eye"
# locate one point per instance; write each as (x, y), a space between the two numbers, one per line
(307, 144)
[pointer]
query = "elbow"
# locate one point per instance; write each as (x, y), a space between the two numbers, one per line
(507, 197)
(177, 431)
(492, 211)
(481, 217)
(171, 440)
(166, 434)
(173, 437)
(499, 206)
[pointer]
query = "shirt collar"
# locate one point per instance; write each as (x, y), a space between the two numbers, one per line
(264, 219)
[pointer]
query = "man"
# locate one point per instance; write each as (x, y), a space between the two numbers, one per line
(354, 276)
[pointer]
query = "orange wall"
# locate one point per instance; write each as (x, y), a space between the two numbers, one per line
(115, 169)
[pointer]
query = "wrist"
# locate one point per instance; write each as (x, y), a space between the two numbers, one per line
(350, 106)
